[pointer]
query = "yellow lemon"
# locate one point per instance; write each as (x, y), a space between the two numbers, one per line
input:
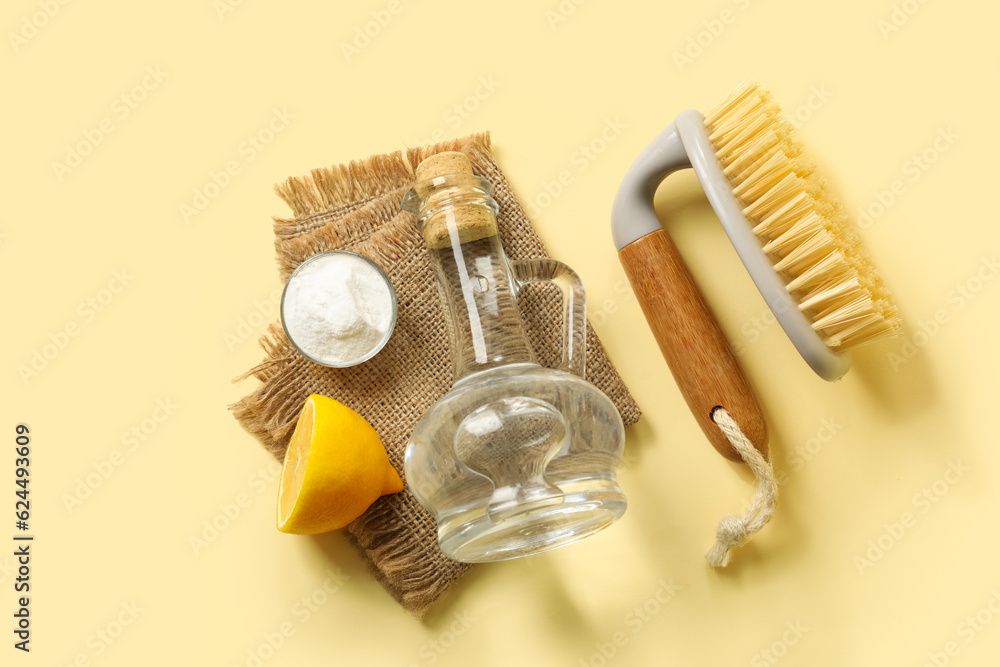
(335, 467)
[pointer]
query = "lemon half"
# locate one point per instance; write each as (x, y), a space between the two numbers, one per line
(335, 468)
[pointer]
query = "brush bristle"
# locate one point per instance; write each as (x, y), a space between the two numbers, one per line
(804, 230)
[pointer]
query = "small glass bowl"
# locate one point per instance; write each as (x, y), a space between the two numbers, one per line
(392, 321)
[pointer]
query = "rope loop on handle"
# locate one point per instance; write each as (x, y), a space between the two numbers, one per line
(735, 531)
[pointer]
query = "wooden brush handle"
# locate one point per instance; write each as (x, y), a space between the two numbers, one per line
(691, 341)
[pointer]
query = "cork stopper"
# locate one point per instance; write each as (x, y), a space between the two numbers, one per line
(471, 222)
(442, 164)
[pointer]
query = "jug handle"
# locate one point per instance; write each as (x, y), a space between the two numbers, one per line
(543, 269)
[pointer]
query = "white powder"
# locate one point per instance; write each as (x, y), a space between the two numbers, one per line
(337, 308)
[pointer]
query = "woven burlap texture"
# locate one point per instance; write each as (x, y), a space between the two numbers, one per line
(357, 207)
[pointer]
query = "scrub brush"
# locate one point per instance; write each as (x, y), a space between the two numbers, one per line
(798, 245)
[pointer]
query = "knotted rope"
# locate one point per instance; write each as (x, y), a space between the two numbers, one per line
(734, 531)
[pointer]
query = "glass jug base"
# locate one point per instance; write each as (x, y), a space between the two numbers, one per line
(475, 538)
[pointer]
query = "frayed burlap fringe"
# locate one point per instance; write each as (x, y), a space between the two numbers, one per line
(329, 188)
(357, 207)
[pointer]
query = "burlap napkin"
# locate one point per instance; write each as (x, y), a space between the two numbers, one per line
(357, 207)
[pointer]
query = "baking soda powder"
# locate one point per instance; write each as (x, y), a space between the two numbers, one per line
(338, 308)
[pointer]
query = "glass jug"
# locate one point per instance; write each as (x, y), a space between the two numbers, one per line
(516, 459)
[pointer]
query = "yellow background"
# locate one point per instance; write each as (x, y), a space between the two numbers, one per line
(835, 579)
